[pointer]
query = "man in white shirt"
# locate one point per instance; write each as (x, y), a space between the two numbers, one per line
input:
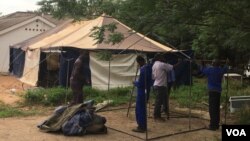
(159, 75)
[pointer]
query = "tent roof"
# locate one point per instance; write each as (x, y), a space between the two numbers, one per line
(78, 35)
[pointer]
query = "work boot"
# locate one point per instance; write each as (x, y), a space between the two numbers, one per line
(139, 130)
(212, 128)
(159, 119)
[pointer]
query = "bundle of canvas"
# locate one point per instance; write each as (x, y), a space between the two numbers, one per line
(79, 119)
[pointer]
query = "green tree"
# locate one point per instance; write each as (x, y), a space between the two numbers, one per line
(76, 9)
(213, 28)
(224, 30)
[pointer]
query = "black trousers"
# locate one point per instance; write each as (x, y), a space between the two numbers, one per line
(214, 108)
(165, 107)
(160, 100)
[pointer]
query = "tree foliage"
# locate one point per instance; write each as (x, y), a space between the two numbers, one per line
(113, 36)
(213, 28)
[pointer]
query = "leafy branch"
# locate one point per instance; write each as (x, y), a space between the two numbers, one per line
(114, 37)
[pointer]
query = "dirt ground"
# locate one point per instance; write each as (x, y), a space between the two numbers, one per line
(178, 128)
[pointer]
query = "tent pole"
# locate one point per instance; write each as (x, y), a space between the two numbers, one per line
(109, 74)
(145, 89)
(67, 78)
(67, 81)
(190, 83)
(190, 90)
(148, 98)
(225, 116)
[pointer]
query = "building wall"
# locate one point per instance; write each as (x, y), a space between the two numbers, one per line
(18, 35)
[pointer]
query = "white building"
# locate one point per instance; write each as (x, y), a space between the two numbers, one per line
(18, 27)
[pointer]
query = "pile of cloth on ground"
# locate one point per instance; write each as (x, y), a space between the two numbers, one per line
(76, 120)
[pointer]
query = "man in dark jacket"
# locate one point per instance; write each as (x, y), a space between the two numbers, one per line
(78, 79)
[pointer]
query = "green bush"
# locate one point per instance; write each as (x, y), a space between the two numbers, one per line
(34, 95)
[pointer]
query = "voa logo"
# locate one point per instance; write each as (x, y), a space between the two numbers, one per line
(236, 132)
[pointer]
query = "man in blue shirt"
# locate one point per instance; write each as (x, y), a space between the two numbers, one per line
(214, 75)
(143, 85)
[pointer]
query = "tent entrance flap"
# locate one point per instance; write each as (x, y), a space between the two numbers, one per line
(122, 71)
(31, 67)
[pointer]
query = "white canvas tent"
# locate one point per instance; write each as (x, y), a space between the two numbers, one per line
(77, 35)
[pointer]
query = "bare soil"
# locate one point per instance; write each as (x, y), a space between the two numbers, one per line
(178, 128)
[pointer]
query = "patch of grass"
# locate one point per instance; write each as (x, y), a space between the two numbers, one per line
(234, 88)
(244, 116)
(198, 94)
(118, 95)
(8, 111)
(58, 95)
